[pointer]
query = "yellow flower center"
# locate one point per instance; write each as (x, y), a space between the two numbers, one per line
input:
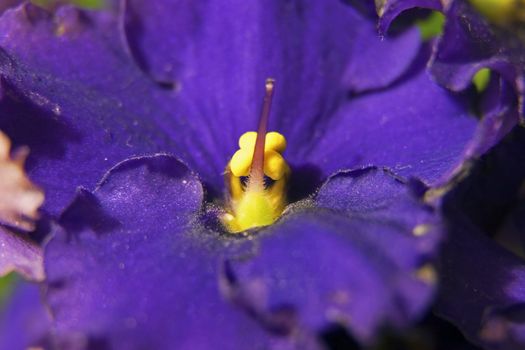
(261, 199)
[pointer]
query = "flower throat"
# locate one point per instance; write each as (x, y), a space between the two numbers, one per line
(257, 175)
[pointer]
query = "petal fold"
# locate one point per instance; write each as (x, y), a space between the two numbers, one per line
(415, 127)
(353, 260)
(388, 10)
(147, 274)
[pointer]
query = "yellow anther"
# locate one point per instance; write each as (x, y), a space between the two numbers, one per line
(274, 165)
(241, 162)
(274, 141)
(251, 207)
(247, 140)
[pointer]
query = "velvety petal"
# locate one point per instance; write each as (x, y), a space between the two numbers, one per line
(307, 46)
(71, 96)
(380, 62)
(24, 321)
(132, 269)
(499, 114)
(19, 253)
(158, 33)
(470, 43)
(388, 10)
(360, 258)
(414, 127)
(483, 283)
(99, 100)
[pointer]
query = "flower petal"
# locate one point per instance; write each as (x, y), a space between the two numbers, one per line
(388, 10)
(380, 61)
(71, 96)
(469, 43)
(222, 58)
(146, 273)
(353, 260)
(24, 321)
(19, 253)
(415, 127)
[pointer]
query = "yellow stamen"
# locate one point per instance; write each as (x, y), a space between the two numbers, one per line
(252, 207)
(275, 144)
(257, 203)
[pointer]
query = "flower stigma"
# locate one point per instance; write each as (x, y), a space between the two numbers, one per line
(257, 175)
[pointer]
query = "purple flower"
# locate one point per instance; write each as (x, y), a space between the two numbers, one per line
(138, 263)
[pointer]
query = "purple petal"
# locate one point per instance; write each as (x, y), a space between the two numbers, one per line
(499, 115)
(24, 321)
(415, 127)
(160, 32)
(388, 10)
(380, 62)
(467, 45)
(354, 260)
(19, 253)
(132, 269)
(73, 97)
(470, 43)
(228, 50)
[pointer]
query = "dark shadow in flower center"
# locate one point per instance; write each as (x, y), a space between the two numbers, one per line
(305, 181)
